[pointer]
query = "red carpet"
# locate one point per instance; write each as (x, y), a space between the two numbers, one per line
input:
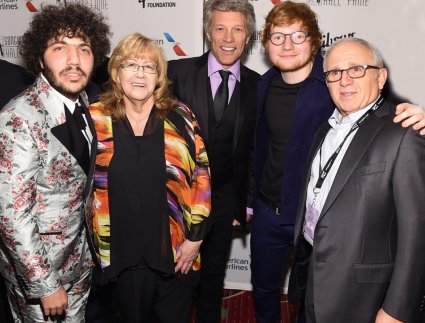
(238, 307)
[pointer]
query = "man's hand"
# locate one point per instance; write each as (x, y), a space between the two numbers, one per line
(411, 115)
(186, 255)
(55, 304)
(383, 317)
(237, 224)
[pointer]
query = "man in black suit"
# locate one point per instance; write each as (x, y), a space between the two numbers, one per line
(13, 80)
(359, 232)
(228, 25)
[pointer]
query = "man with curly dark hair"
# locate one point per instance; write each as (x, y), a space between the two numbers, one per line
(47, 159)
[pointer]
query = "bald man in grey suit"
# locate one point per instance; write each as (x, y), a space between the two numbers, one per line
(359, 235)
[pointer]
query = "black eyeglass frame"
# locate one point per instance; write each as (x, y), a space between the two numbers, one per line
(306, 33)
(347, 70)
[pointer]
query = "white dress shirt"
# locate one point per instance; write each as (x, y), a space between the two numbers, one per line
(340, 127)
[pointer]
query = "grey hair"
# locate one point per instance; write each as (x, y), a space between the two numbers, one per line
(242, 6)
(376, 55)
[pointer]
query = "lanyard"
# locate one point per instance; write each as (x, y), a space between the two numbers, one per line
(323, 173)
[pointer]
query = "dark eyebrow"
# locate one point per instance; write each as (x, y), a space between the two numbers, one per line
(61, 42)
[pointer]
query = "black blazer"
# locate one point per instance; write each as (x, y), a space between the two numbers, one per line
(13, 80)
(369, 239)
(190, 84)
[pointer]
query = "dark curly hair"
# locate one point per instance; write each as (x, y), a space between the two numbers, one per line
(70, 20)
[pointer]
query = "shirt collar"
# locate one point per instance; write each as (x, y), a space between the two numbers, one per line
(214, 66)
(337, 119)
(69, 103)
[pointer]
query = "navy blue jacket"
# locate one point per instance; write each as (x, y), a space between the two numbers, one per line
(314, 106)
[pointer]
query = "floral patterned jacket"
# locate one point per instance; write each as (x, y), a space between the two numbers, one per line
(43, 241)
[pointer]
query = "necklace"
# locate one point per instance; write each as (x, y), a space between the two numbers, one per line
(138, 122)
(138, 125)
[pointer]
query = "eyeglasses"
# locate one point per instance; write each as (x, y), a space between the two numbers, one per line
(297, 37)
(353, 72)
(134, 68)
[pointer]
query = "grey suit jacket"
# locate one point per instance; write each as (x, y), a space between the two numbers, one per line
(370, 237)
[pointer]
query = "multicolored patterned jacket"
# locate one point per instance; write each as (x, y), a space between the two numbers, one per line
(43, 242)
(188, 179)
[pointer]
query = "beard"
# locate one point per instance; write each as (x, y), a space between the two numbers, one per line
(60, 86)
(296, 66)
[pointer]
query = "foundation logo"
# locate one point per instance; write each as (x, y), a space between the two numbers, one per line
(155, 4)
(176, 46)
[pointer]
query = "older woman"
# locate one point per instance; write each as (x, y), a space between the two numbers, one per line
(152, 187)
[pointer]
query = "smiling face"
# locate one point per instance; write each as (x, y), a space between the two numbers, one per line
(137, 87)
(228, 36)
(351, 95)
(291, 58)
(67, 64)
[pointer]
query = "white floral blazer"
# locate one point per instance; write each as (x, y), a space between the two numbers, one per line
(43, 241)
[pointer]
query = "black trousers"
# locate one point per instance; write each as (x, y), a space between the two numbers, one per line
(5, 314)
(214, 255)
(309, 295)
(144, 295)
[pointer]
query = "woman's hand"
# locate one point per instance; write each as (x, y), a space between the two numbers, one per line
(186, 255)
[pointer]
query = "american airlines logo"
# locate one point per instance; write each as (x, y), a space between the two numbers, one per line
(35, 5)
(176, 46)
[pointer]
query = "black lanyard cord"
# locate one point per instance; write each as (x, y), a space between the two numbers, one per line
(323, 173)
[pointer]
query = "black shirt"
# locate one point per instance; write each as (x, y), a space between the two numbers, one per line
(279, 111)
(140, 229)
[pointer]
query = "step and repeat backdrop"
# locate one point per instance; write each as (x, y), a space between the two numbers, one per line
(395, 27)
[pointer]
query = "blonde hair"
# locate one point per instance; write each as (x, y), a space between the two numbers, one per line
(136, 45)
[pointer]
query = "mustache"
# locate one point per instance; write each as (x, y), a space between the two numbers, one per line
(74, 69)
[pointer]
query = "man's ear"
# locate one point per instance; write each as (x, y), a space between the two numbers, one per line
(382, 77)
(41, 63)
(208, 36)
(247, 40)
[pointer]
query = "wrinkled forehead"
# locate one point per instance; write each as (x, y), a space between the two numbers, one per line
(142, 53)
(349, 53)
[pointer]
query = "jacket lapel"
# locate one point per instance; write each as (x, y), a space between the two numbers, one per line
(243, 101)
(74, 141)
(200, 93)
(64, 132)
(359, 145)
